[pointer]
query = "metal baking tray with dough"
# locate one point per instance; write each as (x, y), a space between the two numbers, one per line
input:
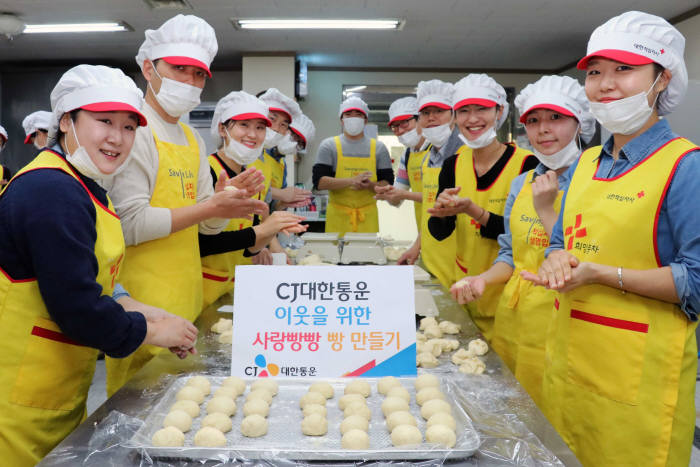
(324, 245)
(284, 439)
(362, 248)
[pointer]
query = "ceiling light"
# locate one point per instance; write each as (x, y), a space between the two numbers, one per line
(168, 4)
(239, 23)
(76, 27)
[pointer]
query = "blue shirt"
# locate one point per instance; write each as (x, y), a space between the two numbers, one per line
(678, 234)
(505, 240)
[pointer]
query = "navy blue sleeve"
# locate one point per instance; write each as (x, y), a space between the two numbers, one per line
(55, 225)
(442, 227)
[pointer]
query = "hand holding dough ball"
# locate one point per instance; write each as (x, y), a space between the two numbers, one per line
(218, 420)
(405, 435)
(429, 393)
(226, 337)
(312, 398)
(345, 400)
(358, 408)
(426, 360)
(263, 394)
(427, 322)
(434, 406)
(324, 388)
(221, 404)
(168, 437)
(254, 426)
(200, 382)
(354, 422)
(179, 419)
(235, 382)
(399, 391)
(256, 407)
(426, 380)
(393, 404)
(314, 425)
(191, 407)
(190, 393)
(387, 383)
(355, 439)
(461, 356)
(269, 384)
(433, 332)
(442, 435)
(209, 437)
(472, 366)
(448, 327)
(222, 325)
(401, 417)
(227, 391)
(478, 347)
(358, 387)
(314, 408)
(442, 418)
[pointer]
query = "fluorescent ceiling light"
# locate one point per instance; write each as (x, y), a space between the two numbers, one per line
(317, 23)
(354, 89)
(76, 27)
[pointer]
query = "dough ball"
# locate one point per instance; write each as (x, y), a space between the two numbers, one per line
(234, 382)
(442, 418)
(420, 337)
(387, 383)
(348, 398)
(449, 345)
(263, 394)
(358, 387)
(433, 332)
(226, 337)
(399, 391)
(358, 408)
(354, 422)
(314, 425)
(218, 420)
(393, 404)
(310, 260)
(472, 366)
(427, 322)
(434, 346)
(179, 419)
(200, 382)
(314, 408)
(168, 437)
(426, 380)
(209, 437)
(266, 383)
(442, 435)
(429, 393)
(460, 356)
(190, 393)
(227, 391)
(191, 407)
(448, 327)
(404, 435)
(355, 439)
(254, 426)
(324, 388)
(478, 347)
(256, 407)
(426, 360)
(222, 325)
(312, 398)
(221, 404)
(401, 417)
(434, 406)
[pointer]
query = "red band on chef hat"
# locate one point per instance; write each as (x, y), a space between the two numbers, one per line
(105, 99)
(298, 133)
(475, 101)
(251, 116)
(553, 107)
(622, 56)
(278, 109)
(355, 108)
(114, 107)
(401, 118)
(185, 61)
(439, 105)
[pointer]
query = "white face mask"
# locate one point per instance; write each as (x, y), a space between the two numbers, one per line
(81, 160)
(287, 146)
(240, 153)
(562, 158)
(38, 146)
(482, 140)
(625, 116)
(438, 135)
(410, 139)
(175, 97)
(272, 138)
(353, 125)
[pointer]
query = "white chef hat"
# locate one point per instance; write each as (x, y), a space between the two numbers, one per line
(96, 88)
(434, 93)
(403, 109)
(182, 40)
(303, 127)
(353, 103)
(561, 94)
(281, 103)
(39, 120)
(637, 38)
(237, 105)
(481, 89)
(3, 132)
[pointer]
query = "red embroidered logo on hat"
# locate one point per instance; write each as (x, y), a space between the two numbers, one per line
(662, 50)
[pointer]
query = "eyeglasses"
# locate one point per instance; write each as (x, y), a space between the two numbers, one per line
(403, 124)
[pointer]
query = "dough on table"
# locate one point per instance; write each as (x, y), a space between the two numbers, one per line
(226, 337)
(200, 382)
(266, 383)
(400, 417)
(190, 393)
(311, 260)
(433, 346)
(442, 418)
(324, 388)
(227, 391)
(358, 386)
(420, 337)
(256, 407)
(345, 400)
(358, 408)
(387, 383)
(254, 426)
(448, 327)
(427, 322)
(399, 391)
(460, 356)
(222, 325)
(354, 422)
(314, 408)
(442, 435)
(179, 419)
(260, 394)
(168, 437)
(404, 435)
(209, 437)
(393, 253)
(478, 347)
(472, 366)
(426, 380)
(355, 439)
(312, 397)
(393, 404)
(433, 332)
(191, 407)
(429, 393)
(434, 406)
(449, 345)
(221, 404)
(218, 420)
(426, 360)
(314, 425)
(235, 382)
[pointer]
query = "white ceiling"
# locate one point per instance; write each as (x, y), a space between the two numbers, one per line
(439, 34)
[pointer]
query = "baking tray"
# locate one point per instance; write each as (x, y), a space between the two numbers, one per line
(284, 439)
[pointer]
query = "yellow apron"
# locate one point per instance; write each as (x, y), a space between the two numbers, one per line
(414, 167)
(619, 380)
(46, 375)
(437, 256)
(263, 164)
(218, 271)
(525, 311)
(475, 254)
(353, 210)
(276, 170)
(165, 272)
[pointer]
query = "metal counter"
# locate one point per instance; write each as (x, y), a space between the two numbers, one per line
(148, 385)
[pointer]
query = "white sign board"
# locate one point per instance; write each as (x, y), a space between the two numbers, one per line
(323, 321)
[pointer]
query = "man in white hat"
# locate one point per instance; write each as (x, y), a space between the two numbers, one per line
(6, 174)
(36, 128)
(349, 166)
(165, 195)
